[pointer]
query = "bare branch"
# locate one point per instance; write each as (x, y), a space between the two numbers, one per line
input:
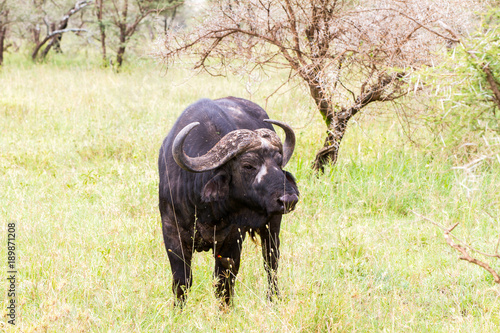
(496, 247)
(424, 26)
(466, 256)
(51, 35)
(496, 255)
(58, 32)
(462, 248)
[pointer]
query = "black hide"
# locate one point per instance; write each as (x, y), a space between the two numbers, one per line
(214, 210)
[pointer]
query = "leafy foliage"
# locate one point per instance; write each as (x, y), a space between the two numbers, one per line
(467, 107)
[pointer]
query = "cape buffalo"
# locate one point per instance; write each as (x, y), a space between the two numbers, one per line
(221, 177)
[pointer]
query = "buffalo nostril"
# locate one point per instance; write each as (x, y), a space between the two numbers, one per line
(288, 201)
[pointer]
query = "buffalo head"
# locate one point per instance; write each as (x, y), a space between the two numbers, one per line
(248, 168)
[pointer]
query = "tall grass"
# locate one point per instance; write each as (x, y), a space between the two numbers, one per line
(78, 171)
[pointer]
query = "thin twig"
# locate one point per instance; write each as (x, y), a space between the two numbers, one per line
(462, 248)
(496, 255)
(465, 256)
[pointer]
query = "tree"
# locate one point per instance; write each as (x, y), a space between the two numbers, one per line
(55, 31)
(102, 29)
(126, 16)
(4, 21)
(348, 53)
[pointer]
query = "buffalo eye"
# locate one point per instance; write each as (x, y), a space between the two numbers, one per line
(248, 167)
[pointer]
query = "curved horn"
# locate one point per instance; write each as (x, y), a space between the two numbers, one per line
(177, 150)
(228, 147)
(289, 144)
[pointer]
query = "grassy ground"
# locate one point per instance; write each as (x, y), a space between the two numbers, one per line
(78, 150)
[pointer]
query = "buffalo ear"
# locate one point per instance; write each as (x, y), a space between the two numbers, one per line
(216, 189)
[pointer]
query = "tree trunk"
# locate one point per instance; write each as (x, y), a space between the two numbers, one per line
(56, 41)
(336, 122)
(3, 32)
(336, 128)
(103, 46)
(52, 41)
(119, 56)
(123, 45)
(166, 25)
(37, 48)
(36, 34)
(102, 29)
(336, 125)
(123, 34)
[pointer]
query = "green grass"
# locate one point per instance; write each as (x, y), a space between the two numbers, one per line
(78, 150)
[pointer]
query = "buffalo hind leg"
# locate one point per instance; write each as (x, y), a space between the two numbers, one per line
(270, 252)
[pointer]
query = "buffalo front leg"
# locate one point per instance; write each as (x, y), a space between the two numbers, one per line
(227, 264)
(270, 252)
(179, 256)
(180, 263)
